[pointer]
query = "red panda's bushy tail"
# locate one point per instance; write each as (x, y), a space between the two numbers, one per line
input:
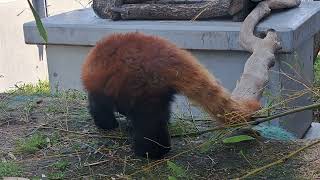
(201, 87)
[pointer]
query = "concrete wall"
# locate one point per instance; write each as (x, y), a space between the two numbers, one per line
(61, 6)
(19, 62)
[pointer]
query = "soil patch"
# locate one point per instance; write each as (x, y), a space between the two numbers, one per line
(54, 137)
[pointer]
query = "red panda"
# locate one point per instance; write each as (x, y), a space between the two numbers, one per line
(138, 75)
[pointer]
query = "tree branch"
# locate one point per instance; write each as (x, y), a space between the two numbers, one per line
(255, 75)
(245, 124)
(282, 160)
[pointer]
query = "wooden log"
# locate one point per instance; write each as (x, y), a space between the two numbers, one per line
(239, 9)
(163, 1)
(171, 9)
(103, 8)
(204, 10)
(134, 1)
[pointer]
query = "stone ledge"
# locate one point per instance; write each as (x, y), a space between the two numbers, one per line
(84, 28)
(313, 132)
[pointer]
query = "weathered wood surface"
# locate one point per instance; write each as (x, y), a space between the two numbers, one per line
(172, 9)
(205, 10)
(103, 8)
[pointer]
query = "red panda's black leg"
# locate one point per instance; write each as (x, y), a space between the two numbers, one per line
(150, 127)
(101, 110)
(151, 136)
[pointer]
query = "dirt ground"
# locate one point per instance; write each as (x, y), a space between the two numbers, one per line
(53, 137)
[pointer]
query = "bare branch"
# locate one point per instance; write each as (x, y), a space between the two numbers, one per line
(255, 75)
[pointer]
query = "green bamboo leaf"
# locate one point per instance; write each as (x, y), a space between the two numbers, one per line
(176, 170)
(172, 178)
(236, 139)
(40, 27)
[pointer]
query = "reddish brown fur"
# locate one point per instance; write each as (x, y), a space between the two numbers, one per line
(135, 66)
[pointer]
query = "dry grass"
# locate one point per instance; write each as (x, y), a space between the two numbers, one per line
(54, 136)
(64, 143)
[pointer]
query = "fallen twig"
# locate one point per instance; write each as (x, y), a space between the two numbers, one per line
(85, 134)
(97, 163)
(245, 124)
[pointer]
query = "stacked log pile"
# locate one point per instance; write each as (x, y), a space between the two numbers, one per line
(172, 9)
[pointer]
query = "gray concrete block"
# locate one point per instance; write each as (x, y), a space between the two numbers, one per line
(71, 28)
(313, 132)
